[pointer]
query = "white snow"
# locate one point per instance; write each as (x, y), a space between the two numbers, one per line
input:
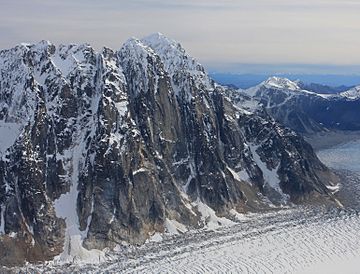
(65, 64)
(251, 105)
(12, 234)
(155, 238)
(352, 94)
(65, 207)
(173, 227)
(177, 61)
(290, 241)
(140, 170)
(284, 85)
(270, 175)
(343, 156)
(327, 96)
(192, 175)
(239, 216)
(333, 189)
(290, 250)
(281, 83)
(348, 263)
(8, 134)
(209, 217)
(242, 175)
(121, 107)
(2, 220)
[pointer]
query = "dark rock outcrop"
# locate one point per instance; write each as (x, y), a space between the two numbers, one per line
(110, 147)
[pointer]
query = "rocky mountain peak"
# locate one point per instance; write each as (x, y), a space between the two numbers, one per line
(112, 147)
(143, 65)
(280, 83)
(177, 62)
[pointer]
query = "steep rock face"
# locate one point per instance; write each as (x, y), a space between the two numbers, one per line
(114, 146)
(304, 111)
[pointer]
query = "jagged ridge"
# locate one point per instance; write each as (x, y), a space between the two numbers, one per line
(115, 146)
(304, 111)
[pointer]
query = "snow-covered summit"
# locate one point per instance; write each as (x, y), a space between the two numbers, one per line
(281, 83)
(271, 84)
(352, 94)
(134, 49)
(176, 60)
(170, 51)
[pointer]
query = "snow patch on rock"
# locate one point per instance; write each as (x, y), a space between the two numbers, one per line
(209, 217)
(174, 227)
(9, 133)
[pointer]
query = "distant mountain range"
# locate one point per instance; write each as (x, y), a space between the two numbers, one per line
(305, 111)
(327, 83)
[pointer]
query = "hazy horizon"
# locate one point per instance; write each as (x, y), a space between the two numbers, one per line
(249, 36)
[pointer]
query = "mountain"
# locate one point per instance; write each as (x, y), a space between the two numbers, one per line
(110, 147)
(322, 89)
(302, 110)
(352, 94)
(319, 83)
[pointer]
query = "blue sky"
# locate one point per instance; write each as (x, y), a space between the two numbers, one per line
(314, 36)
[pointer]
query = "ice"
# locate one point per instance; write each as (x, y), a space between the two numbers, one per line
(290, 241)
(343, 156)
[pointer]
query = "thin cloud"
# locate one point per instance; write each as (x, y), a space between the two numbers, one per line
(215, 32)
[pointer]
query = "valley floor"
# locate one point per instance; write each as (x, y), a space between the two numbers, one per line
(330, 139)
(296, 240)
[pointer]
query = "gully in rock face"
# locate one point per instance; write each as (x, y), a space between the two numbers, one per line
(112, 146)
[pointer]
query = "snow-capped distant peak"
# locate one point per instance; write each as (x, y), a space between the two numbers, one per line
(281, 83)
(352, 94)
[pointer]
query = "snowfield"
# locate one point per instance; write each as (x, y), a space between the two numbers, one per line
(300, 240)
(343, 156)
(293, 240)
